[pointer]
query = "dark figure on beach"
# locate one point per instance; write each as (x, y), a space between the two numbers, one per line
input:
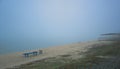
(40, 51)
(35, 53)
(26, 54)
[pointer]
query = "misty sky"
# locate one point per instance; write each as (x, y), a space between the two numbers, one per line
(61, 20)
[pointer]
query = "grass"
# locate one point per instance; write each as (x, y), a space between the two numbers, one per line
(106, 50)
(66, 55)
(43, 64)
(91, 60)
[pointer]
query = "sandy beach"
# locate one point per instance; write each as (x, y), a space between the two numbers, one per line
(15, 59)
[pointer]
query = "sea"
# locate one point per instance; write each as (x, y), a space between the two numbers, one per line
(11, 46)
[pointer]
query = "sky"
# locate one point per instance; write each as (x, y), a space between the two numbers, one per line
(58, 20)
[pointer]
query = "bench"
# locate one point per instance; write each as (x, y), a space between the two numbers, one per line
(34, 53)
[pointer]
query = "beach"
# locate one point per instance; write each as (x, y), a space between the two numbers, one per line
(16, 59)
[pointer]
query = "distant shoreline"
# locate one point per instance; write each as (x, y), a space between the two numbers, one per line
(16, 58)
(11, 51)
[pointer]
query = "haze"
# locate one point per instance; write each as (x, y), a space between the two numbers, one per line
(54, 22)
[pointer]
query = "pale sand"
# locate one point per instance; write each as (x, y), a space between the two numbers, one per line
(14, 59)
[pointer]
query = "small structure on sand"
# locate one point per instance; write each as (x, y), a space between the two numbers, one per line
(40, 52)
(33, 53)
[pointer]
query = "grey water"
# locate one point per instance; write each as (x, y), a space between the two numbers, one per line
(10, 46)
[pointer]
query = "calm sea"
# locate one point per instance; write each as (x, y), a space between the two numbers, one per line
(17, 46)
(10, 46)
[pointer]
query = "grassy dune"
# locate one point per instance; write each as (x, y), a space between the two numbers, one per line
(98, 57)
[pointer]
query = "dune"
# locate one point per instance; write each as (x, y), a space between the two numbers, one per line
(16, 59)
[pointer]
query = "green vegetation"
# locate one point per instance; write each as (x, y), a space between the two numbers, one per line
(98, 57)
(106, 50)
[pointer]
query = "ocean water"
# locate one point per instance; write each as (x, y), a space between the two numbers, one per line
(18, 46)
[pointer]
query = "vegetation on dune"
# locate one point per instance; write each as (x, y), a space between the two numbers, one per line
(100, 56)
(105, 56)
(97, 57)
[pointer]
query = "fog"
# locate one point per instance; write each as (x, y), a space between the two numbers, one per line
(56, 22)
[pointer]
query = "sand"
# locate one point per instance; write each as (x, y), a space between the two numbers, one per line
(15, 59)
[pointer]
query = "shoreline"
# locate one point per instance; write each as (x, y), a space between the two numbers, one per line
(16, 59)
(11, 52)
